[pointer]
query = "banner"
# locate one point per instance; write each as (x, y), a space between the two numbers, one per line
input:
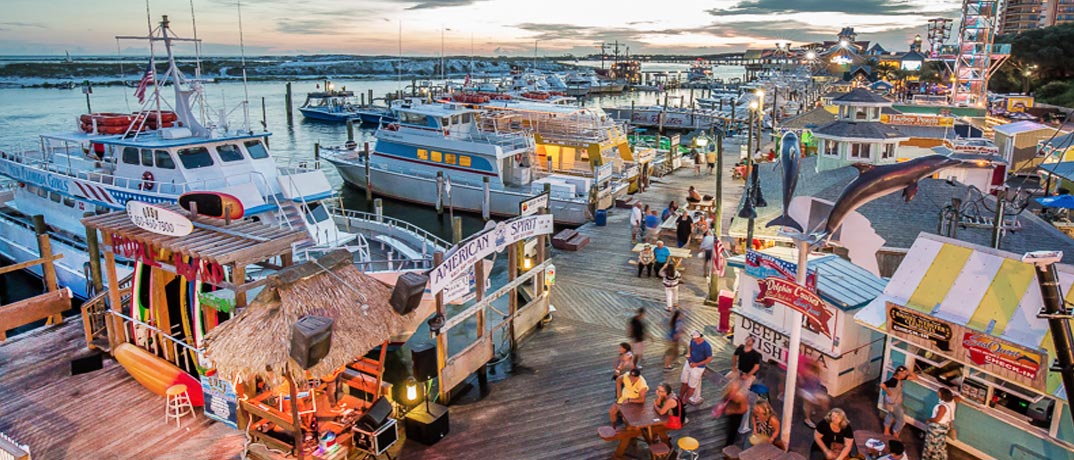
(760, 265)
(914, 324)
(917, 120)
(984, 350)
(220, 400)
(477, 247)
(789, 293)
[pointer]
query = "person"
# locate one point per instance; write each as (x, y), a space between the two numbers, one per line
(834, 438)
(646, 259)
(896, 451)
(661, 255)
(736, 403)
(636, 220)
(765, 424)
(943, 413)
(637, 334)
(711, 160)
(652, 226)
(625, 362)
(696, 156)
(891, 392)
(700, 225)
(684, 226)
(674, 338)
(771, 154)
(746, 362)
(668, 211)
(692, 195)
(666, 403)
(631, 389)
(698, 355)
(814, 396)
(672, 278)
(708, 245)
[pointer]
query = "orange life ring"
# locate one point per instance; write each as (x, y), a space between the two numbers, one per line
(147, 180)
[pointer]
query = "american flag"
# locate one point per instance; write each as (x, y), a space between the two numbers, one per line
(719, 263)
(467, 82)
(147, 79)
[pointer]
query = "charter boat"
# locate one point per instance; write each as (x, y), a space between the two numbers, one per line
(340, 106)
(445, 152)
(155, 157)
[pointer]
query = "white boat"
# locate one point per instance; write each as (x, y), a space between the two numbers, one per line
(466, 151)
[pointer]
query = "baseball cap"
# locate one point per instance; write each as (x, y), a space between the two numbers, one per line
(695, 334)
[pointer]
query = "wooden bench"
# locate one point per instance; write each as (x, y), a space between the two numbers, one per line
(569, 240)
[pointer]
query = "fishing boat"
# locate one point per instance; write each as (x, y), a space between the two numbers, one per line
(157, 156)
(444, 152)
(330, 105)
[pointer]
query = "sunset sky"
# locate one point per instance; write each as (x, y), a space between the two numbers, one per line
(494, 27)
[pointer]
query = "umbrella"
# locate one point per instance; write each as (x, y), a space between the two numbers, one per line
(1058, 201)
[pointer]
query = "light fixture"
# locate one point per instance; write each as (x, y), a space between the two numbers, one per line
(753, 105)
(331, 86)
(411, 390)
(760, 93)
(844, 43)
(811, 55)
(527, 263)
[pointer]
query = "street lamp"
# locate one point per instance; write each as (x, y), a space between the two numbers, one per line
(844, 43)
(760, 117)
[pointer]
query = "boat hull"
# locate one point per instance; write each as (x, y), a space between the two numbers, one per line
(336, 117)
(463, 197)
(156, 374)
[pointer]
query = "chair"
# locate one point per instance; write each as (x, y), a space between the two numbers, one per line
(177, 404)
(732, 452)
(659, 451)
(688, 448)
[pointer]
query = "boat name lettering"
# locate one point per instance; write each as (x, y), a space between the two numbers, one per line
(195, 268)
(35, 177)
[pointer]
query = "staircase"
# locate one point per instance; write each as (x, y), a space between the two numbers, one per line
(365, 375)
(292, 216)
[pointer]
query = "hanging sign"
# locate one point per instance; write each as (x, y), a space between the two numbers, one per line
(760, 265)
(917, 120)
(191, 268)
(530, 206)
(777, 289)
(494, 239)
(158, 220)
(220, 400)
(910, 323)
(985, 350)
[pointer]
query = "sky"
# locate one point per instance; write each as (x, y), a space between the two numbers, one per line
(463, 27)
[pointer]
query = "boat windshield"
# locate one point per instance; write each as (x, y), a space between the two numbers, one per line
(195, 157)
(256, 150)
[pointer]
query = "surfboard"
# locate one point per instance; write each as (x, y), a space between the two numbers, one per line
(212, 204)
(155, 374)
(141, 295)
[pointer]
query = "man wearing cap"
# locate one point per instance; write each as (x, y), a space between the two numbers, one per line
(698, 355)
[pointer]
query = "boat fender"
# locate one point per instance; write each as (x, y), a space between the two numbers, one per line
(393, 127)
(147, 180)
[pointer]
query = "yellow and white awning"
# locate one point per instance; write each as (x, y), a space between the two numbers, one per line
(980, 288)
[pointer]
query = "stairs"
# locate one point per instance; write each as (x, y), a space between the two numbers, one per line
(364, 376)
(292, 215)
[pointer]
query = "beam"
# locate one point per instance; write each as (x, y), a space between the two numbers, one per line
(28, 264)
(35, 308)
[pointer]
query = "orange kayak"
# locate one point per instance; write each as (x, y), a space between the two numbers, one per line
(156, 374)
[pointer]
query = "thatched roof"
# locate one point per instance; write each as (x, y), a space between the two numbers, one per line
(257, 341)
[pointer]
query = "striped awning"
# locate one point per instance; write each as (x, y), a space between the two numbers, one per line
(980, 288)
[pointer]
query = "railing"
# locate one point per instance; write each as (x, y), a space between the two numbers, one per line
(11, 449)
(391, 222)
(95, 313)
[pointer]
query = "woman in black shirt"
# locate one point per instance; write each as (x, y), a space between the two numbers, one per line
(834, 438)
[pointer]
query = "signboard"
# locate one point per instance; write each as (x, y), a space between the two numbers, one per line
(914, 324)
(986, 351)
(550, 275)
(530, 206)
(603, 172)
(917, 120)
(189, 267)
(1019, 103)
(773, 344)
(789, 293)
(158, 220)
(760, 265)
(220, 400)
(477, 247)
(461, 289)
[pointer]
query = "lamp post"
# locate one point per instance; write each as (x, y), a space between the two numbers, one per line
(760, 118)
(748, 212)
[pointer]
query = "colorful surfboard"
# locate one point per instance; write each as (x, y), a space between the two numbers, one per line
(212, 204)
(141, 295)
(156, 374)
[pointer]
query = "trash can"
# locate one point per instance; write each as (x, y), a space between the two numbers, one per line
(726, 300)
(601, 217)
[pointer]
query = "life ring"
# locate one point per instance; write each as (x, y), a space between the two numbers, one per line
(518, 157)
(392, 127)
(147, 180)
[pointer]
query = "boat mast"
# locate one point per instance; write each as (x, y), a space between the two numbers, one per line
(152, 56)
(245, 90)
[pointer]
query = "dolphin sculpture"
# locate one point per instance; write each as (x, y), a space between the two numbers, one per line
(876, 181)
(789, 159)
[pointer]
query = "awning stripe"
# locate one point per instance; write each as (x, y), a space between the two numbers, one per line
(921, 254)
(939, 278)
(970, 287)
(1003, 296)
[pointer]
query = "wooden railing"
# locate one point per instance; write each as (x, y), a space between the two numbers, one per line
(95, 315)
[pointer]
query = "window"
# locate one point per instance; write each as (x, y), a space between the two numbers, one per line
(256, 150)
(69, 202)
(316, 214)
(195, 157)
(147, 158)
(437, 156)
(411, 118)
(423, 154)
(55, 197)
(464, 161)
(859, 113)
(889, 151)
(860, 151)
(831, 148)
(130, 156)
(164, 159)
(41, 192)
(229, 153)
(465, 118)
(449, 158)
(455, 119)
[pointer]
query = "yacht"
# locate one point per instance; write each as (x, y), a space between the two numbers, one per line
(445, 152)
(340, 106)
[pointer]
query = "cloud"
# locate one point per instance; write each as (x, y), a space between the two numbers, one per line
(871, 7)
(431, 4)
(11, 25)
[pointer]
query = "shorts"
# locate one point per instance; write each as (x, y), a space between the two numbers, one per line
(691, 376)
(638, 348)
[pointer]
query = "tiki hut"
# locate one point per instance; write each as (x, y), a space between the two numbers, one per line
(256, 342)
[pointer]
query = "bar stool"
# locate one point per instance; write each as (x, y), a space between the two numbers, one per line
(688, 448)
(659, 451)
(177, 404)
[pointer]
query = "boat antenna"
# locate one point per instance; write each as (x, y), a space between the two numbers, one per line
(245, 90)
(153, 57)
(443, 71)
(197, 44)
(119, 54)
(399, 66)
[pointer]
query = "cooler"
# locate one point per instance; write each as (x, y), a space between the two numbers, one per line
(726, 301)
(601, 218)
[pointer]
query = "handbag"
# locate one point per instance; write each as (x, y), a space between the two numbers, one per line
(674, 422)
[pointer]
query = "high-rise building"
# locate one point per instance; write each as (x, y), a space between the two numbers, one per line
(1022, 15)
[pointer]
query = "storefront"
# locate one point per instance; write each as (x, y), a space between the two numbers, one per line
(965, 317)
(848, 353)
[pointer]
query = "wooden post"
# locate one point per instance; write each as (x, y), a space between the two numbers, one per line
(264, 116)
(479, 295)
(370, 97)
(717, 229)
(362, 101)
(290, 106)
(440, 193)
(441, 339)
(94, 251)
(486, 205)
(317, 151)
(117, 334)
(512, 300)
(350, 130)
(456, 229)
(238, 277)
(299, 438)
(368, 178)
(44, 248)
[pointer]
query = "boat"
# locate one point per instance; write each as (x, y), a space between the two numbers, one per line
(446, 151)
(157, 157)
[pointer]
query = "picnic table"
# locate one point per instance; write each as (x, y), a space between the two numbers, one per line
(767, 451)
(643, 418)
(708, 206)
(677, 253)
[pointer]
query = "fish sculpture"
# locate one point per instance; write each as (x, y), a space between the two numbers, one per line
(876, 181)
(789, 159)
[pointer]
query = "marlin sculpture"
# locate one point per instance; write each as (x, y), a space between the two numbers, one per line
(789, 158)
(876, 181)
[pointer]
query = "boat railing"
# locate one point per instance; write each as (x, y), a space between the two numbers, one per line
(95, 314)
(423, 234)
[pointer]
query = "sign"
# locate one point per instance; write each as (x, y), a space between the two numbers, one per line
(477, 247)
(776, 289)
(550, 275)
(773, 344)
(530, 206)
(1019, 103)
(220, 400)
(603, 172)
(158, 220)
(190, 268)
(760, 265)
(932, 121)
(461, 289)
(911, 323)
(984, 350)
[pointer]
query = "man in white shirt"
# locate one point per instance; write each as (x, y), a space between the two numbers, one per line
(635, 222)
(897, 449)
